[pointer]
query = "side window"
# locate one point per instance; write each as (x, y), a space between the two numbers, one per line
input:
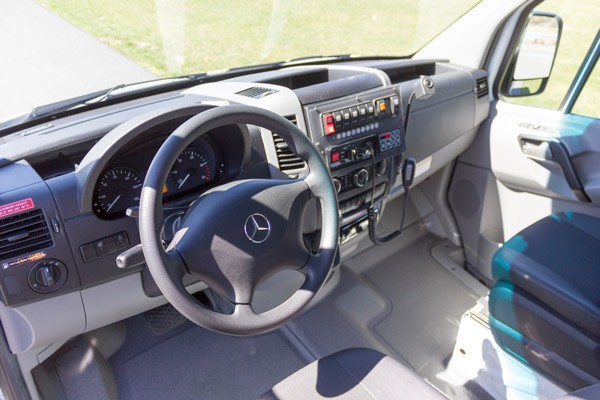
(579, 27)
(588, 101)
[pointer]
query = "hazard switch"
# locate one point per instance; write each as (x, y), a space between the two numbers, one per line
(329, 124)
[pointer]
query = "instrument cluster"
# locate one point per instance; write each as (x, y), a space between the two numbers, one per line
(120, 185)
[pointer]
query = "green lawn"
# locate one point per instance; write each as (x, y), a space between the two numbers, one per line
(200, 35)
(194, 36)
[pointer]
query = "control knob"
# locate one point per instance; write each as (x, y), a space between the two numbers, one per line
(382, 167)
(337, 185)
(47, 275)
(360, 177)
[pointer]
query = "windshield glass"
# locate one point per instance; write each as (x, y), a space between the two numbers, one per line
(65, 48)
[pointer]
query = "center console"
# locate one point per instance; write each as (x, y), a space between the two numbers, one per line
(362, 139)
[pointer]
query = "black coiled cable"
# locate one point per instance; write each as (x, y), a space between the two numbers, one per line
(372, 214)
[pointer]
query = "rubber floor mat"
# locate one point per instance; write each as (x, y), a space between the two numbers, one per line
(163, 319)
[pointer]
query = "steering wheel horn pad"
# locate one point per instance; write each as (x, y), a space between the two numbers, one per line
(228, 256)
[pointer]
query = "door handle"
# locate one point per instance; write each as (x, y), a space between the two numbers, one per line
(536, 148)
(554, 150)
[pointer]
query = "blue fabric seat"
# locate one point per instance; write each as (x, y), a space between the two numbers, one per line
(545, 301)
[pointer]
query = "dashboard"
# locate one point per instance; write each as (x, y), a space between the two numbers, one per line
(70, 188)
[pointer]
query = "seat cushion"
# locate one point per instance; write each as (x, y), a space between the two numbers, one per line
(557, 261)
(353, 374)
(588, 393)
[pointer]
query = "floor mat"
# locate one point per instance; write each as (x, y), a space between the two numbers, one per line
(198, 364)
(427, 304)
(163, 319)
(398, 300)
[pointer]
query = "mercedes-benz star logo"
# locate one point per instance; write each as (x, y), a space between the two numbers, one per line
(257, 228)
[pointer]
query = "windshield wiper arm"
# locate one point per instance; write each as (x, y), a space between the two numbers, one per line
(63, 105)
(103, 95)
(109, 92)
(319, 57)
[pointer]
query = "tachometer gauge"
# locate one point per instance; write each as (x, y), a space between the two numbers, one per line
(118, 189)
(192, 168)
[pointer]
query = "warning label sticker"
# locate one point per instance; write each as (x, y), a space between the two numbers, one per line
(16, 207)
(24, 259)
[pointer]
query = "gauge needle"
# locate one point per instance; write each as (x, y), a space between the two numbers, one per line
(113, 203)
(183, 181)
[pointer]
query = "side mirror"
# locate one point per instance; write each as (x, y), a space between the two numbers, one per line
(532, 63)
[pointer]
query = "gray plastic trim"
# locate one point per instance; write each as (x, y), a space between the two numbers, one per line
(120, 299)
(18, 175)
(56, 319)
(79, 128)
(283, 102)
(41, 323)
(438, 160)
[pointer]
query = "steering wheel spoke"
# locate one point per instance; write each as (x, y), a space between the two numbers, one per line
(175, 265)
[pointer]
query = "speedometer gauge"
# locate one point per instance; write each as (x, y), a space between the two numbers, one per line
(118, 189)
(192, 168)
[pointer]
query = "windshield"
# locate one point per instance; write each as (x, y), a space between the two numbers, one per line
(65, 48)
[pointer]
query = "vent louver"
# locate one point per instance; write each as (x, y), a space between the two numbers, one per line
(256, 92)
(23, 233)
(288, 161)
(481, 87)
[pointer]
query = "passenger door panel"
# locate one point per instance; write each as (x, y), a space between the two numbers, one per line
(520, 169)
(545, 152)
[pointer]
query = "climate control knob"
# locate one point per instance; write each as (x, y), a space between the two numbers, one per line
(360, 177)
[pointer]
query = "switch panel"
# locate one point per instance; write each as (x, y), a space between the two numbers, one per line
(105, 246)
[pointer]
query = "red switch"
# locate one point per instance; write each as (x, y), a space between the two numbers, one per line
(335, 156)
(329, 123)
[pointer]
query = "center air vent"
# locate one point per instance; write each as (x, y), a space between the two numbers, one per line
(481, 87)
(23, 233)
(288, 161)
(256, 92)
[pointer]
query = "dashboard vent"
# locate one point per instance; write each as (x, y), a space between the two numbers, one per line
(256, 92)
(481, 87)
(288, 161)
(23, 233)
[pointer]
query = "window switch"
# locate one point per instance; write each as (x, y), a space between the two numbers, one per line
(121, 240)
(100, 246)
(88, 252)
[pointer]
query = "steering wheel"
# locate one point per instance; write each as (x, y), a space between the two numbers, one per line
(236, 235)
